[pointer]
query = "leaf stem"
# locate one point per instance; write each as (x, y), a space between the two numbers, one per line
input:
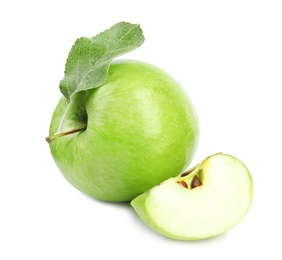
(49, 139)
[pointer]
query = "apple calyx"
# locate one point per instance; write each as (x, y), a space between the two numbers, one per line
(50, 138)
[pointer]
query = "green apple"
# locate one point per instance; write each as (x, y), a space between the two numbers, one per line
(118, 140)
(201, 203)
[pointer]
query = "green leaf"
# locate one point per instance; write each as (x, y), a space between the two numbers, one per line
(90, 58)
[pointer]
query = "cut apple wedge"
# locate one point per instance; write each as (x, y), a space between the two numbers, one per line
(201, 203)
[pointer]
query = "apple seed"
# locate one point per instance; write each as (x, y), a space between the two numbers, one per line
(186, 173)
(189, 171)
(196, 182)
(183, 183)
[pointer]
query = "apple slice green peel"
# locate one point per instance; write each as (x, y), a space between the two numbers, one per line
(201, 203)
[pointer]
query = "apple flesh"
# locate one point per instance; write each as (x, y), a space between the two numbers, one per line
(136, 130)
(202, 203)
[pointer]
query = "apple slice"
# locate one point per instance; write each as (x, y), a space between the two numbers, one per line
(201, 203)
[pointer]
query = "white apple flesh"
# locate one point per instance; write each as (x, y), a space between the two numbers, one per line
(210, 200)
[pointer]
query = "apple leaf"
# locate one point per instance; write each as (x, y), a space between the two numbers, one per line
(89, 59)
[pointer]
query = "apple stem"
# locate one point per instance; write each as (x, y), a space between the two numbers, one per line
(50, 138)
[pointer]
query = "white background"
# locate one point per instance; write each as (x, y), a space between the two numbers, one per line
(227, 55)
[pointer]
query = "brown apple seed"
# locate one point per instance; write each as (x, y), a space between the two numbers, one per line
(196, 182)
(183, 183)
(186, 173)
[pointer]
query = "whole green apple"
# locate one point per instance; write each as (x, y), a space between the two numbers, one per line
(139, 129)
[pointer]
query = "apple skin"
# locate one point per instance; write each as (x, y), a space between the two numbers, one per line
(185, 213)
(141, 130)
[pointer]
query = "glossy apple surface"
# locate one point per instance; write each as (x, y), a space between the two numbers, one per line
(210, 200)
(141, 129)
